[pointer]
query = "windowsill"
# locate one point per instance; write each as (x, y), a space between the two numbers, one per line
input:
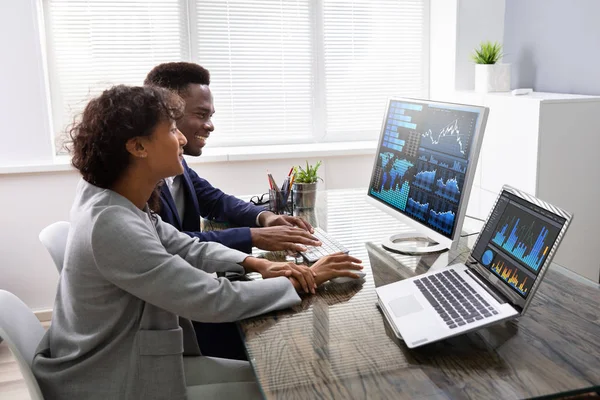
(274, 152)
(227, 154)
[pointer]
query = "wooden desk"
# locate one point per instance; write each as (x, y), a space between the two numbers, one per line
(336, 344)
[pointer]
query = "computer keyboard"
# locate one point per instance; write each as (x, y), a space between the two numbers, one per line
(454, 300)
(329, 246)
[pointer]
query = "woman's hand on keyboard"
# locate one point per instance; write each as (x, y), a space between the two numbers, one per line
(302, 277)
(335, 266)
(268, 218)
(282, 237)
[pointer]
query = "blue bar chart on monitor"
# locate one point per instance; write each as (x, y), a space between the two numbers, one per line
(422, 161)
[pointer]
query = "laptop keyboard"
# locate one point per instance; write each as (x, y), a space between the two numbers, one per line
(329, 246)
(454, 300)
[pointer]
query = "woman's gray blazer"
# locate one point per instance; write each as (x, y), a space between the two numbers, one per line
(127, 279)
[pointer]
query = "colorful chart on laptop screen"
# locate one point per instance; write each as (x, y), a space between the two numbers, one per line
(517, 240)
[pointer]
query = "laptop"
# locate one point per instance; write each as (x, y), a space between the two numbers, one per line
(497, 282)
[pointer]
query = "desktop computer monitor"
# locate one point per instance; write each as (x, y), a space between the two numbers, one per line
(424, 169)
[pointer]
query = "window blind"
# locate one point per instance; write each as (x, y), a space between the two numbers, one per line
(260, 58)
(282, 71)
(94, 44)
(372, 50)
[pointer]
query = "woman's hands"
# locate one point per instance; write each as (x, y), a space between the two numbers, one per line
(302, 277)
(334, 266)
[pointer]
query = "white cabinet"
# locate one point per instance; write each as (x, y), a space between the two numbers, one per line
(545, 144)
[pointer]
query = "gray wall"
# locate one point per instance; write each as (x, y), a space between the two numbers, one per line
(554, 45)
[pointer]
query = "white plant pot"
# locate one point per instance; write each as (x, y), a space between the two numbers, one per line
(492, 78)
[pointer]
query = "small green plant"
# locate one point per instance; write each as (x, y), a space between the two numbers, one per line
(487, 53)
(308, 175)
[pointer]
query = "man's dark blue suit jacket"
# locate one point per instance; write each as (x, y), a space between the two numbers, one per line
(201, 198)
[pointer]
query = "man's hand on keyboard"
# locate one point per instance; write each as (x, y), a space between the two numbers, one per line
(301, 273)
(270, 219)
(335, 266)
(282, 237)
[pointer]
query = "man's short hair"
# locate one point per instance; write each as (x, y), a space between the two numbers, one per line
(177, 76)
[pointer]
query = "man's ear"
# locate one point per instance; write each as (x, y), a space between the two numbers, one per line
(135, 147)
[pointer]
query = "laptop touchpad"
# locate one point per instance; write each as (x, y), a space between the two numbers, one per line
(403, 306)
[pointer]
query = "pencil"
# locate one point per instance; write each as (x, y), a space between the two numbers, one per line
(273, 183)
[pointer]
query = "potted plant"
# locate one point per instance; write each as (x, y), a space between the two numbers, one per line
(305, 185)
(490, 76)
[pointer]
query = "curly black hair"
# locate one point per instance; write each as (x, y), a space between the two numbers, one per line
(110, 120)
(177, 76)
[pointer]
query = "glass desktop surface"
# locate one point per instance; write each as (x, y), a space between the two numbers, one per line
(336, 344)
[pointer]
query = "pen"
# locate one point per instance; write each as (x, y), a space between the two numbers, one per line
(285, 189)
(285, 184)
(290, 173)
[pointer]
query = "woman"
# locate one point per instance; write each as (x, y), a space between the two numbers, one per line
(130, 280)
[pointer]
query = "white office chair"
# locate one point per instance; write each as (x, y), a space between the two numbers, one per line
(22, 331)
(54, 238)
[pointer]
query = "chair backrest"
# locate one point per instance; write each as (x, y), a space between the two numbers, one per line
(22, 331)
(54, 238)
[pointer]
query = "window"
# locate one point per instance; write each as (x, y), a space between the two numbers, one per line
(282, 71)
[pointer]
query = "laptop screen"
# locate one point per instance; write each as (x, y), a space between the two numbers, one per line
(516, 241)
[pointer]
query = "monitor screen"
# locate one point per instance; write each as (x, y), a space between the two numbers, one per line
(516, 241)
(424, 154)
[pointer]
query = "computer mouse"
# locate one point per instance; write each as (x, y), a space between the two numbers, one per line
(344, 279)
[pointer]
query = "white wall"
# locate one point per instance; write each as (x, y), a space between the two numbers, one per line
(28, 203)
(24, 113)
(442, 48)
(457, 27)
(478, 20)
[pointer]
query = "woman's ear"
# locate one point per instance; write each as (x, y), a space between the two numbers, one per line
(135, 147)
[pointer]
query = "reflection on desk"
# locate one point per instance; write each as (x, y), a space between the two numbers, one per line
(335, 345)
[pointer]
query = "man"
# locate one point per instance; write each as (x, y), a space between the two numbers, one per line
(186, 197)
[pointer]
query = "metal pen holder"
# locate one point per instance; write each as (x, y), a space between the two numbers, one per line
(281, 202)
